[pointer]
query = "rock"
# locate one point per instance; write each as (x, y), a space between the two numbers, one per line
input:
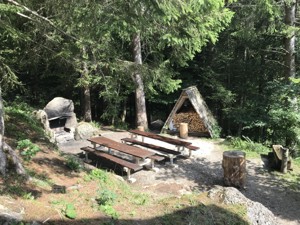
(8, 216)
(257, 213)
(157, 124)
(85, 130)
(59, 107)
(42, 116)
(71, 122)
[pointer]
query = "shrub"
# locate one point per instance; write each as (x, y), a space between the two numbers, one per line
(28, 149)
(74, 163)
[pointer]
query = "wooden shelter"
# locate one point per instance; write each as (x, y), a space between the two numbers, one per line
(191, 108)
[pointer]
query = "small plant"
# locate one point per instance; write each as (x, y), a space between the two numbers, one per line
(140, 199)
(97, 174)
(109, 210)
(70, 211)
(28, 149)
(28, 196)
(106, 199)
(74, 163)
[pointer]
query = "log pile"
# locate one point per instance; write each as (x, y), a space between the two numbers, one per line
(195, 124)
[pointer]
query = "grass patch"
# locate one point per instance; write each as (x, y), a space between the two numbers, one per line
(245, 144)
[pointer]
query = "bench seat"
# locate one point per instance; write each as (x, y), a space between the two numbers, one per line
(151, 146)
(191, 147)
(122, 162)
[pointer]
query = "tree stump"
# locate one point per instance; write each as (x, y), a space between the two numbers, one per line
(234, 167)
(141, 128)
(183, 130)
(280, 159)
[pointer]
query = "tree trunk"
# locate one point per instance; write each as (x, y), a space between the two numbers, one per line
(87, 113)
(3, 146)
(15, 159)
(124, 111)
(87, 104)
(3, 159)
(285, 158)
(234, 166)
(140, 101)
(289, 41)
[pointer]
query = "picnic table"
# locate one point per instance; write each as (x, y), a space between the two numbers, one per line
(180, 145)
(117, 147)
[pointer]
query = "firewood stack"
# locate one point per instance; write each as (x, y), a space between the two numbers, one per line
(195, 124)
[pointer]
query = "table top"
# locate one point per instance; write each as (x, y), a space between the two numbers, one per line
(161, 138)
(130, 150)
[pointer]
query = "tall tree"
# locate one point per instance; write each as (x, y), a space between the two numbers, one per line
(289, 40)
(163, 34)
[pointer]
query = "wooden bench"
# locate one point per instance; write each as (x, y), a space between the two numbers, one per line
(127, 166)
(165, 151)
(181, 145)
(160, 138)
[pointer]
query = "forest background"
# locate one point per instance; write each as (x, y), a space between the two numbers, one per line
(124, 63)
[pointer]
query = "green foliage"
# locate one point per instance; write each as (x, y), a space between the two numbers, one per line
(140, 199)
(28, 196)
(246, 144)
(97, 174)
(70, 211)
(28, 149)
(74, 163)
(106, 197)
(20, 123)
(106, 200)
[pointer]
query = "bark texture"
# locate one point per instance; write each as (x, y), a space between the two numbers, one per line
(234, 166)
(289, 41)
(3, 159)
(87, 113)
(140, 101)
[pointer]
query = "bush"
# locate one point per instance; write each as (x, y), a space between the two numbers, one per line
(28, 149)
(74, 163)
(106, 199)
(248, 145)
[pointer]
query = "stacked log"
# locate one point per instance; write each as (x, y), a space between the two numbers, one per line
(195, 124)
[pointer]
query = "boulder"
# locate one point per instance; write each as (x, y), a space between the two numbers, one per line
(85, 130)
(157, 124)
(42, 116)
(59, 108)
(71, 122)
(257, 213)
(7, 216)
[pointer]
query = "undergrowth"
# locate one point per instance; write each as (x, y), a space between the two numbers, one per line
(253, 149)
(20, 122)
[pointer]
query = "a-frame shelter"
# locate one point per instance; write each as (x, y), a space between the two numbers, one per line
(191, 108)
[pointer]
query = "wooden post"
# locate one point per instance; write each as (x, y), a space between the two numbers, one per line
(141, 128)
(285, 159)
(183, 130)
(234, 166)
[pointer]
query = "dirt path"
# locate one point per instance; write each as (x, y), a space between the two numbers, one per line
(204, 169)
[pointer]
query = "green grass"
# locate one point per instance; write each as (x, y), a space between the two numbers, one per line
(251, 148)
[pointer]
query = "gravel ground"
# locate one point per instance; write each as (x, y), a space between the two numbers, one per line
(204, 170)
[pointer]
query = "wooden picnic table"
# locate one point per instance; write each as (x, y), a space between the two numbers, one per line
(180, 145)
(161, 138)
(117, 146)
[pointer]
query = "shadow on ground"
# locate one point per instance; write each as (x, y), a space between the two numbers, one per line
(198, 214)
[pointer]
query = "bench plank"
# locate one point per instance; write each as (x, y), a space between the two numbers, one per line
(154, 147)
(119, 161)
(161, 138)
(88, 149)
(157, 157)
(130, 150)
(192, 147)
